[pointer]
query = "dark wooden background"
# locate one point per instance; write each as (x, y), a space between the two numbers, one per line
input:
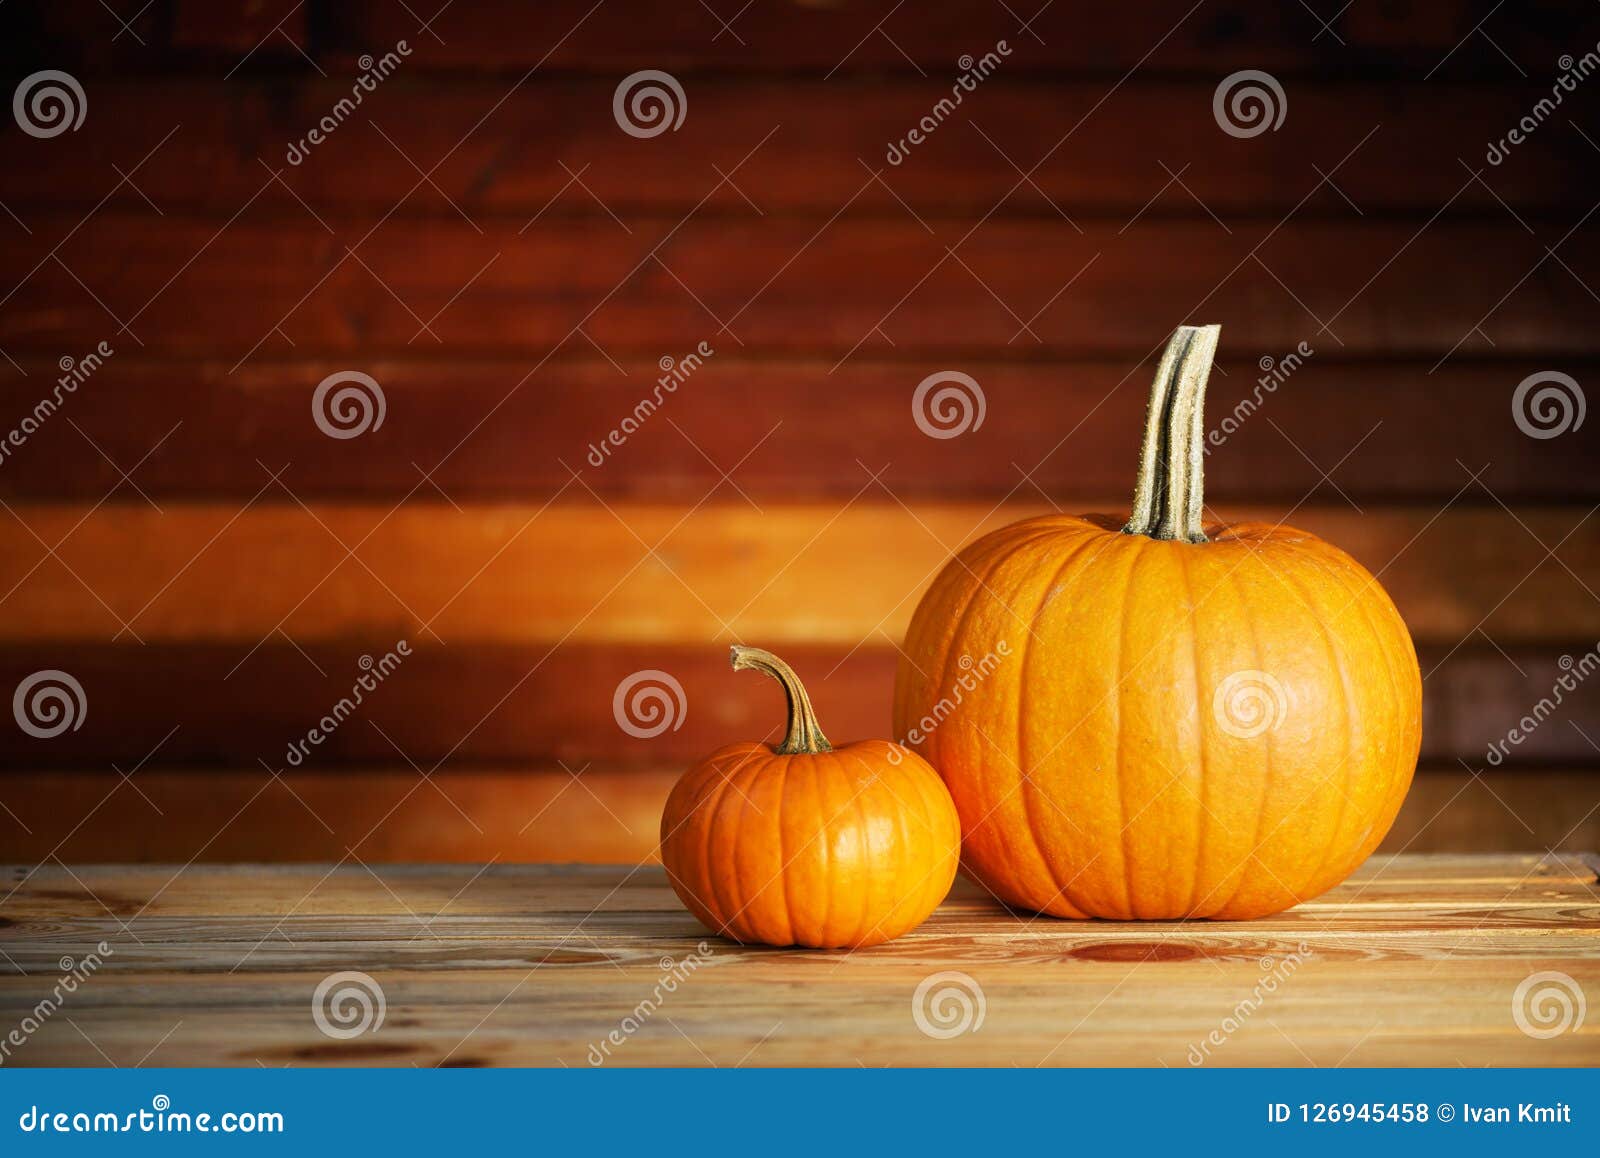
(482, 238)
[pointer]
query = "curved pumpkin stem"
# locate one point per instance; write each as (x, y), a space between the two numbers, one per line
(805, 736)
(1170, 495)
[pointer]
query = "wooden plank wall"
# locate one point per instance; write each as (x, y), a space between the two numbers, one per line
(481, 238)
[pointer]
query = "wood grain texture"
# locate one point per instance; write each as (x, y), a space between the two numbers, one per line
(521, 704)
(646, 574)
(841, 37)
(1073, 426)
(36, 892)
(578, 812)
(265, 284)
(826, 136)
(1498, 811)
(514, 305)
(1411, 962)
(376, 814)
(566, 36)
(1170, 37)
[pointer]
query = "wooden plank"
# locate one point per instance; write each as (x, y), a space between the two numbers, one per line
(1158, 38)
(236, 290)
(555, 1023)
(521, 160)
(1498, 810)
(238, 31)
(426, 942)
(1074, 426)
(1478, 868)
(837, 38)
(86, 36)
(858, 1017)
(510, 704)
(219, 969)
(99, 42)
(387, 814)
(45, 894)
(503, 816)
(812, 573)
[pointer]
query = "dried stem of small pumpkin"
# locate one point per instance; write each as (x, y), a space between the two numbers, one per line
(804, 735)
(1170, 495)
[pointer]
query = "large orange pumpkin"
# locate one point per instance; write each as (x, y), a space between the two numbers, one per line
(807, 844)
(1165, 720)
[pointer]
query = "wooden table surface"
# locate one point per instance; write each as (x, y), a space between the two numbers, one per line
(1415, 960)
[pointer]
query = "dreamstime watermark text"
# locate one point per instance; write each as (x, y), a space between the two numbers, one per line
(1573, 73)
(1573, 673)
(74, 373)
(973, 73)
(374, 672)
(373, 72)
(160, 1118)
(972, 673)
(1274, 373)
(73, 974)
(674, 373)
(673, 974)
(1275, 972)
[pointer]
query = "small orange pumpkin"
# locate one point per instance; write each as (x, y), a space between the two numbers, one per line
(1182, 721)
(807, 844)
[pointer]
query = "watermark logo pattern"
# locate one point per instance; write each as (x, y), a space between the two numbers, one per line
(948, 1004)
(49, 103)
(947, 404)
(648, 103)
(1248, 103)
(348, 1004)
(1547, 1004)
(648, 703)
(1250, 703)
(347, 404)
(1548, 404)
(49, 702)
